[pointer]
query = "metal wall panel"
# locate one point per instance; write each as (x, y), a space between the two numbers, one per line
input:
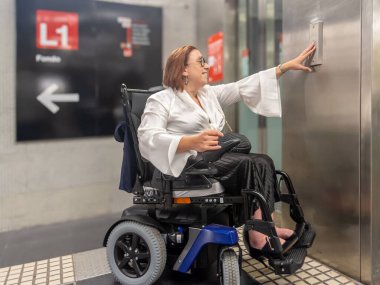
(365, 145)
(375, 144)
(321, 127)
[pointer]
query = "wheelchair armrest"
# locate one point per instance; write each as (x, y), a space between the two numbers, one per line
(210, 170)
(201, 171)
(202, 164)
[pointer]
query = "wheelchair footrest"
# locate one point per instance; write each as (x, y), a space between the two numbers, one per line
(291, 262)
(307, 238)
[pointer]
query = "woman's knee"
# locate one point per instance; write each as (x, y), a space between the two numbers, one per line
(263, 159)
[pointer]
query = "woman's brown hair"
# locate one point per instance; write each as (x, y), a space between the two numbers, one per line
(174, 67)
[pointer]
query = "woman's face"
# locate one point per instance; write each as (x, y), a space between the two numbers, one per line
(196, 69)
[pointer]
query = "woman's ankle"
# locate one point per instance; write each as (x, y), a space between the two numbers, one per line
(284, 233)
(258, 240)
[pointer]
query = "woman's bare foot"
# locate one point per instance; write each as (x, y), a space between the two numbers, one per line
(284, 233)
(258, 240)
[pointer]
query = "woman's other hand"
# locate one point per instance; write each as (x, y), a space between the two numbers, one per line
(297, 62)
(206, 140)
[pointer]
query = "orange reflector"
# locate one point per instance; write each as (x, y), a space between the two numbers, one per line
(182, 200)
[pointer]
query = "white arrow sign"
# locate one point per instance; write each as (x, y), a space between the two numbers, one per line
(47, 98)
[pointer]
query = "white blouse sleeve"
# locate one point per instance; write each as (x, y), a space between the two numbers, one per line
(156, 144)
(259, 91)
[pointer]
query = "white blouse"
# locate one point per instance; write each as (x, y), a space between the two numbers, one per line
(171, 114)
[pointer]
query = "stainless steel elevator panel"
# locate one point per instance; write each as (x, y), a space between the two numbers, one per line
(321, 127)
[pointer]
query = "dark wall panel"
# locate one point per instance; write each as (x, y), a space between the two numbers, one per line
(72, 57)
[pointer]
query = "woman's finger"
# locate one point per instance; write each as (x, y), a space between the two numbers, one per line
(213, 133)
(311, 46)
(305, 68)
(212, 138)
(303, 57)
(310, 51)
(308, 69)
(213, 142)
(214, 147)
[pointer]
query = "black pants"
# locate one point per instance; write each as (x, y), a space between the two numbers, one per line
(237, 171)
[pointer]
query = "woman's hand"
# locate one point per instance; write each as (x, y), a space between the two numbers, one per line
(206, 140)
(297, 63)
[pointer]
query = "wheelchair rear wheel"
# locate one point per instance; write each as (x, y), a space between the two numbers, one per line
(136, 253)
(229, 265)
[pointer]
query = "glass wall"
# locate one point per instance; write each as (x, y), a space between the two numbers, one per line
(260, 38)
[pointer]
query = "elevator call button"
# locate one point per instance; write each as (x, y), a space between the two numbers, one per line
(316, 36)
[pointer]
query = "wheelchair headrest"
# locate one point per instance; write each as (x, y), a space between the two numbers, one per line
(138, 102)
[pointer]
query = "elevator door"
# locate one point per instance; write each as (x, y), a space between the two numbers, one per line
(321, 127)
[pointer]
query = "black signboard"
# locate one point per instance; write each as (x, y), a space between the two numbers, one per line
(72, 57)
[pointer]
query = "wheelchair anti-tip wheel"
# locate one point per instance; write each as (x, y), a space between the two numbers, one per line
(229, 265)
(136, 253)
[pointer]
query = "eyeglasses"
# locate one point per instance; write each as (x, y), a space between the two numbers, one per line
(201, 60)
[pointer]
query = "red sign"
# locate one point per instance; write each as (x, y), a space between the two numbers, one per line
(56, 30)
(215, 57)
(126, 46)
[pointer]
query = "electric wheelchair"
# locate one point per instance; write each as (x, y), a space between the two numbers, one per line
(188, 223)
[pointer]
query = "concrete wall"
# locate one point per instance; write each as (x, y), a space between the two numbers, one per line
(47, 182)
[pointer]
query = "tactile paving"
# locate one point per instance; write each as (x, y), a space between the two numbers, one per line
(54, 271)
(311, 273)
(85, 265)
(91, 264)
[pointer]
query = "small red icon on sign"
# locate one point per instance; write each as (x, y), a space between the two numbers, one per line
(56, 30)
(126, 46)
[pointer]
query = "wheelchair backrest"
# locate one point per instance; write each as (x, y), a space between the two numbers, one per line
(134, 101)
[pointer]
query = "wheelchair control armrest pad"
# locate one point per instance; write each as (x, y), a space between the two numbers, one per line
(214, 155)
(203, 159)
(200, 165)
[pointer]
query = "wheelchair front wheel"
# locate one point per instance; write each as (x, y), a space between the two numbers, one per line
(229, 265)
(136, 253)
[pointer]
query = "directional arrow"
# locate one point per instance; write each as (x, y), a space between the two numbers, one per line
(47, 98)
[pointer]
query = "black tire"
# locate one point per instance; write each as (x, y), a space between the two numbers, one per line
(229, 266)
(136, 253)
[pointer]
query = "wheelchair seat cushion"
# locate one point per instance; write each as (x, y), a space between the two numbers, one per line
(186, 185)
(215, 189)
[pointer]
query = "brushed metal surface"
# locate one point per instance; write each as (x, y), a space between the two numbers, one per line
(375, 146)
(321, 127)
(365, 145)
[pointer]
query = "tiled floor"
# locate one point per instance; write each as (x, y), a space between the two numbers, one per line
(312, 273)
(54, 271)
(74, 268)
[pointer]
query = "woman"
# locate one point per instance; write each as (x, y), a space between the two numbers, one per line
(187, 118)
